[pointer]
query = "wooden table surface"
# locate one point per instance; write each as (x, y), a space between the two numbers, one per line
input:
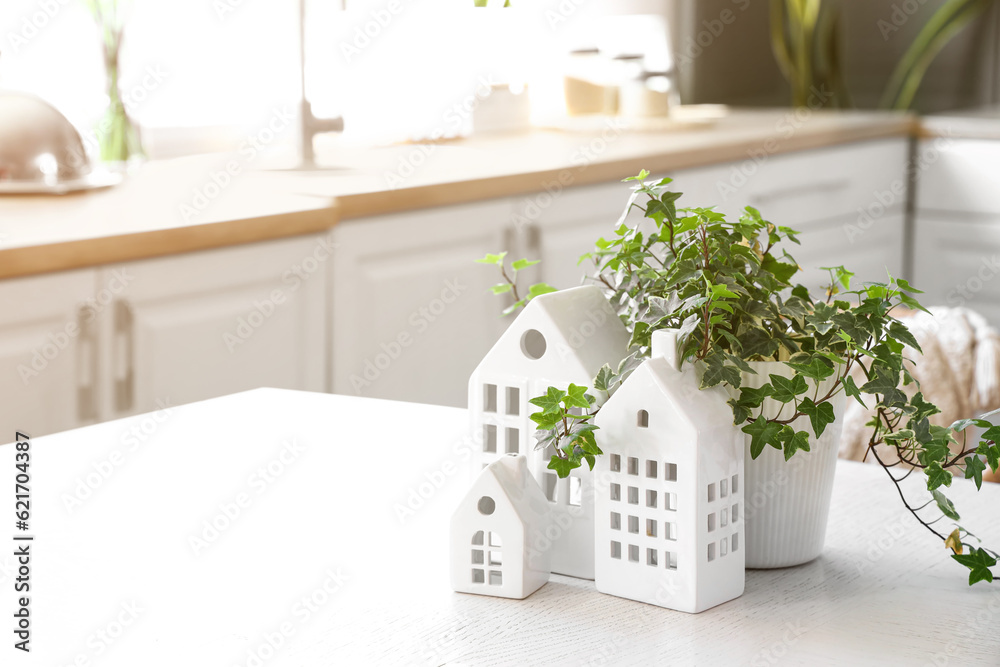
(331, 517)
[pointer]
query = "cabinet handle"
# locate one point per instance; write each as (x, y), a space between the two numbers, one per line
(86, 369)
(124, 356)
(799, 191)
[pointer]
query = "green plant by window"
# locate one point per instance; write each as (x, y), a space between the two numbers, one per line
(727, 286)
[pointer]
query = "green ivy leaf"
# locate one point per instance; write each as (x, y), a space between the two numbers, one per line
(492, 259)
(851, 389)
(974, 468)
(539, 289)
(992, 453)
(501, 288)
(786, 389)
(576, 397)
(562, 466)
(795, 441)
(520, 264)
(717, 371)
(551, 402)
(979, 563)
(937, 476)
(820, 416)
(818, 368)
(762, 432)
(946, 506)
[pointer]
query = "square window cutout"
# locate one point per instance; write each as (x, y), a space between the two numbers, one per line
(616, 521)
(633, 524)
(477, 577)
(496, 578)
(633, 553)
(633, 465)
(616, 463)
(616, 491)
(633, 495)
(616, 550)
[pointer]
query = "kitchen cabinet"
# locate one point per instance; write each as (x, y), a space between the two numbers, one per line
(956, 249)
(85, 346)
(411, 312)
(559, 229)
(199, 325)
(47, 353)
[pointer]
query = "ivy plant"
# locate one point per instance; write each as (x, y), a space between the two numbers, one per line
(728, 287)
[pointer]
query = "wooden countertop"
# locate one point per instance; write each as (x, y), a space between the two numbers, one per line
(177, 206)
(260, 529)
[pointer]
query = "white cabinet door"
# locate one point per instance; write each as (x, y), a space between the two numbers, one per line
(569, 226)
(195, 326)
(871, 248)
(48, 353)
(957, 262)
(412, 314)
(803, 186)
(958, 175)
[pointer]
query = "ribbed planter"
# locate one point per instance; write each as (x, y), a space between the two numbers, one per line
(788, 502)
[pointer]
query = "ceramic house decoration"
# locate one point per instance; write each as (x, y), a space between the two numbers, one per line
(669, 489)
(559, 338)
(498, 544)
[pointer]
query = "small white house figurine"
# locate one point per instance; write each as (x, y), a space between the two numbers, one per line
(498, 543)
(558, 339)
(669, 489)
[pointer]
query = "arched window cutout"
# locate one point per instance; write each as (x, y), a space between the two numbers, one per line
(643, 419)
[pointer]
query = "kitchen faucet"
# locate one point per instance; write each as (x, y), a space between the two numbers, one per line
(310, 124)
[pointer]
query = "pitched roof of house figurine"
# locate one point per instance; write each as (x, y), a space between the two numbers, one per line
(669, 489)
(566, 334)
(559, 338)
(498, 545)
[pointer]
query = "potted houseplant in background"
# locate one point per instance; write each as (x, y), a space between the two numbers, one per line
(117, 134)
(789, 360)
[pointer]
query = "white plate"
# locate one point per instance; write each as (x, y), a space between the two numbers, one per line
(92, 181)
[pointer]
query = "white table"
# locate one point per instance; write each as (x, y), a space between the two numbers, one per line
(321, 562)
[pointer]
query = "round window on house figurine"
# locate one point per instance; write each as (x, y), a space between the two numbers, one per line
(533, 344)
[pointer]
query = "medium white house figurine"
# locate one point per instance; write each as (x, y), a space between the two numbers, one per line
(498, 543)
(669, 489)
(559, 338)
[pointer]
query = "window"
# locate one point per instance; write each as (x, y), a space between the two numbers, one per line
(616, 463)
(513, 400)
(651, 527)
(711, 551)
(651, 557)
(642, 419)
(633, 553)
(724, 488)
(735, 486)
(711, 492)
(489, 558)
(670, 558)
(736, 512)
(633, 495)
(670, 530)
(533, 344)
(513, 440)
(633, 465)
(616, 521)
(575, 491)
(490, 438)
(489, 398)
(616, 492)
(724, 518)
(711, 522)
(551, 480)
(616, 550)
(670, 472)
(486, 506)
(651, 469)
(670, 501)
(736, 541)
(633, 525)
(651, 498)
(723, 546)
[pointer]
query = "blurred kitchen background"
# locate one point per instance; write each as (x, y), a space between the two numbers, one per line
(292, 194)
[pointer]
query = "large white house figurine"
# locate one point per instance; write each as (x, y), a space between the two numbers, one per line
(498, 543)
(559, 338)
(669, 489)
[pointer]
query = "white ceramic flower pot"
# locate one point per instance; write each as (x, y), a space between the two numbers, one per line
(788, 503)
